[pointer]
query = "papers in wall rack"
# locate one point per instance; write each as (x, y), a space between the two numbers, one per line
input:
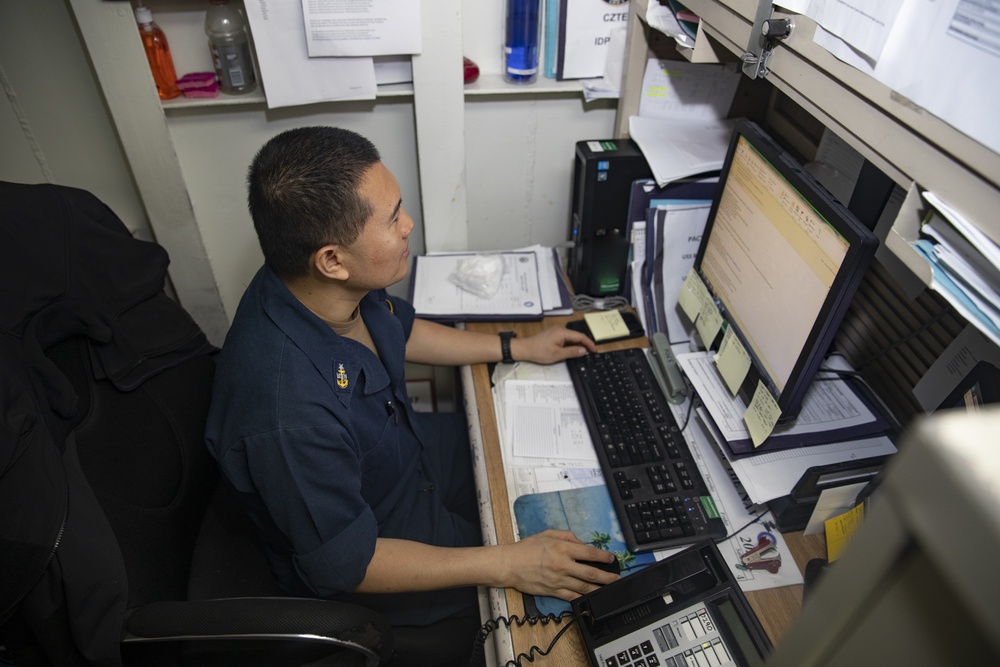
(677, 148)
(662, 18)
(965, 265)
(683, 90)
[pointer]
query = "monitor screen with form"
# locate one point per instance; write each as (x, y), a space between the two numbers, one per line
(782, 259)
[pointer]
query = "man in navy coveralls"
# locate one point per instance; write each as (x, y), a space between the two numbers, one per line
(357, 496)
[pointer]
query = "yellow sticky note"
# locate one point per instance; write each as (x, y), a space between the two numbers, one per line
(697, 303)
(606, 324)
(733, 361)
(840, 530)
(709, 322)
(761, 415)
(692, 295)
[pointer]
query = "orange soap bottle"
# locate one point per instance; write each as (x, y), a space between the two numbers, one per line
(154, 42)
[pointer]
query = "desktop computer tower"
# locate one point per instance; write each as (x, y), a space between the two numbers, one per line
(603, 173)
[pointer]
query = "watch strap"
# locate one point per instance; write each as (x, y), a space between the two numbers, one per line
(505, 337)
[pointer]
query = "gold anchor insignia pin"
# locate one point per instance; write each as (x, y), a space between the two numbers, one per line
(341, 376)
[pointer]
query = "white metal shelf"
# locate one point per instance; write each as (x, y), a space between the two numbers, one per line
(486, 84)
(258, 97)
(495, 84)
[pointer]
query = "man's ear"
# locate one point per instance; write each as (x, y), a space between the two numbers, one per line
(328, 262)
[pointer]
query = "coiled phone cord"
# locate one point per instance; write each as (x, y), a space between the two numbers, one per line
(492, 624)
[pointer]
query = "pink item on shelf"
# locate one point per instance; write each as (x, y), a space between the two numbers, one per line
(196, 80)
(199, 84)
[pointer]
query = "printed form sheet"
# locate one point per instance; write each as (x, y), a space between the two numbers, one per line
(361, 28)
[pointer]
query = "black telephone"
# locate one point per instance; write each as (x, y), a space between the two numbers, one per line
(670, 612)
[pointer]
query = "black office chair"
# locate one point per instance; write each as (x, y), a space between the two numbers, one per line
(199, 591)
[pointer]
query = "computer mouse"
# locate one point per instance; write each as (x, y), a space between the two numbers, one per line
(614, 567)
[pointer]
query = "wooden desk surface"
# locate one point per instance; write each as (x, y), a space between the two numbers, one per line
(776, 608)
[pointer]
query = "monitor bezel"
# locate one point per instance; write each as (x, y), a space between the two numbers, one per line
(862, 244)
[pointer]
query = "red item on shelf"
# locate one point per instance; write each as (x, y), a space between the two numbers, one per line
(471, 70)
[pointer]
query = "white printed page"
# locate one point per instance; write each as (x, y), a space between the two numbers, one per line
(368, 28)
(290, 76)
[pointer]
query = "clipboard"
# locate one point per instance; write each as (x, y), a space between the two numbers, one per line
(435, 298)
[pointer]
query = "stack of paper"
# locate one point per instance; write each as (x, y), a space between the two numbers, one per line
(966, 266)
(531, 287)
(544, 440)
(678, 148)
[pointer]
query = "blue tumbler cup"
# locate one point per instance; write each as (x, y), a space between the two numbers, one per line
(521, 38)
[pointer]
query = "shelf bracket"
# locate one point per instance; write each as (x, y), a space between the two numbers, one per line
(763, 35)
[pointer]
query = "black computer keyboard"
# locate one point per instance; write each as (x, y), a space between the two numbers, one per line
(657, 490)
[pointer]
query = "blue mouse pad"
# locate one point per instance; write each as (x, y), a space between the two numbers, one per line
(589, 514)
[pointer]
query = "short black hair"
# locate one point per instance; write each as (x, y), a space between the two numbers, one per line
(303, 194)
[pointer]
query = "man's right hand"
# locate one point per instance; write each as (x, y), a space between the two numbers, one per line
(550, 563)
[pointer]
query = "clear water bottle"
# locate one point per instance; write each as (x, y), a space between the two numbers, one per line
(154, 43)
(230, 45)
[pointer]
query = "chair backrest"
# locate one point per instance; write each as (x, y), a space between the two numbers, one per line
(230, 559)
(143, 453)
(120, 381)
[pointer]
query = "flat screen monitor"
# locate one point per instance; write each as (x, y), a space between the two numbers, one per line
(782, 258)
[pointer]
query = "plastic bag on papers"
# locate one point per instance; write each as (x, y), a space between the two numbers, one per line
(480, 275)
